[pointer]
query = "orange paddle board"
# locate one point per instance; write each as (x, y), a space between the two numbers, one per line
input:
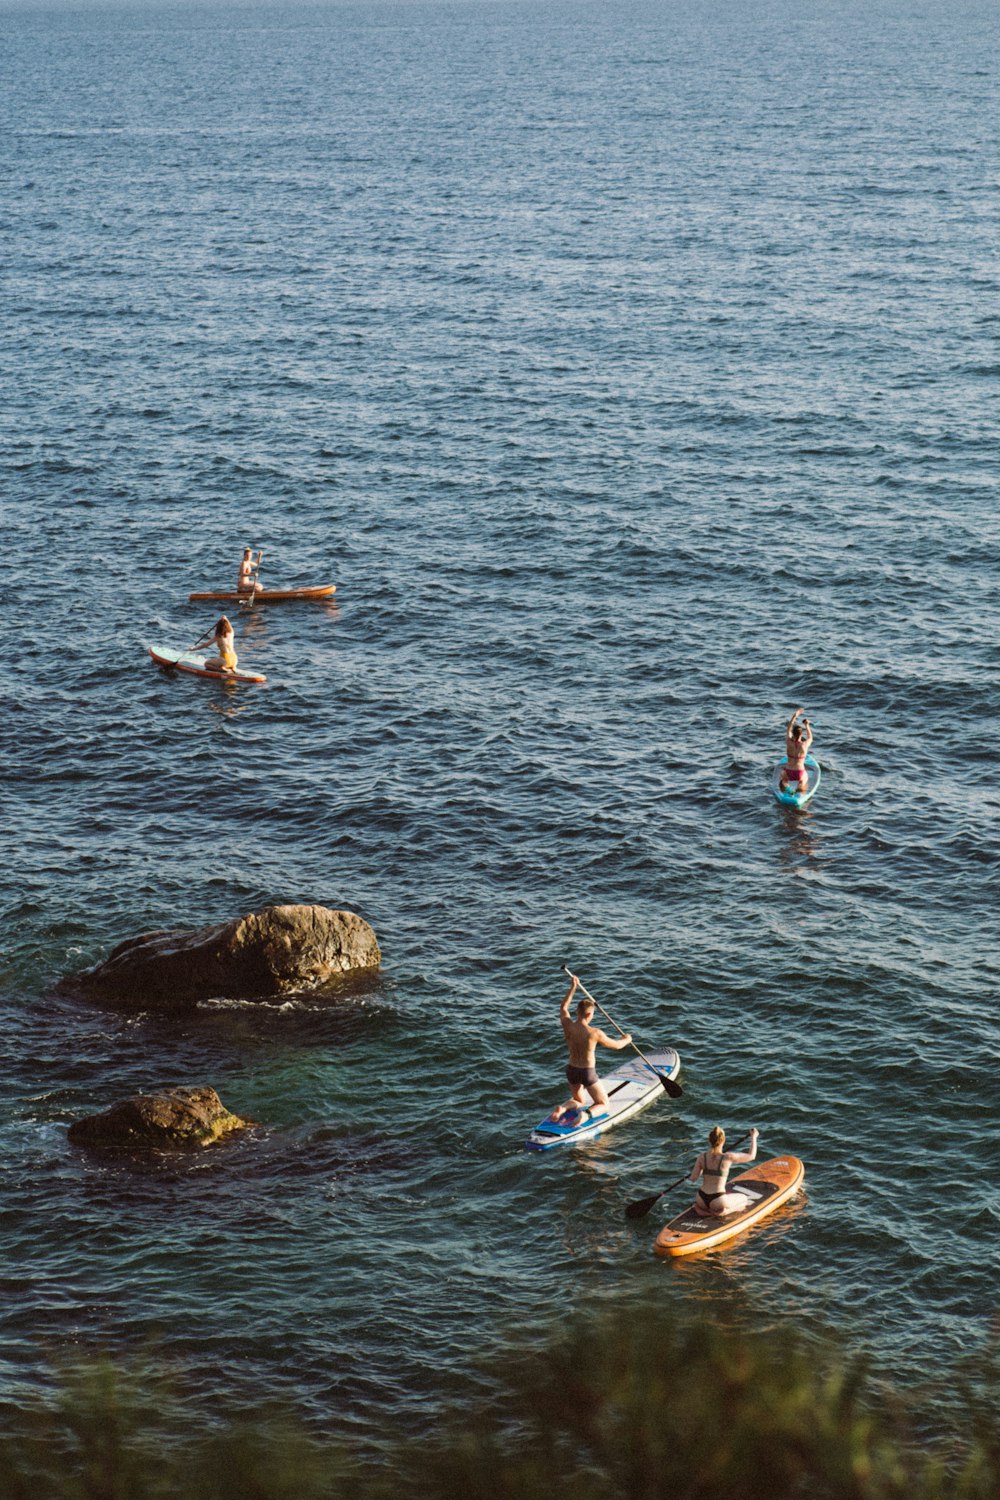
(268, 596)
(767, 1185)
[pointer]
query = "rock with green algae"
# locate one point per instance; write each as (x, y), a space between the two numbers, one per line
(281, 950)
(178, 1118)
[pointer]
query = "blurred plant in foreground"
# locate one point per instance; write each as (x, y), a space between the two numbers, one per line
(638, 1410)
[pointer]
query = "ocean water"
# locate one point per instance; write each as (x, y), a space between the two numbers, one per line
(633, 371)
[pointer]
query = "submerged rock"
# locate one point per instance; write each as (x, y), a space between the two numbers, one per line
(278, 951)
(179, 1118)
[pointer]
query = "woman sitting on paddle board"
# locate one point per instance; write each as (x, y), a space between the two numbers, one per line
(798, 738)
(248, 581)
(582, 1040)
(712, 1167)
(225, 643)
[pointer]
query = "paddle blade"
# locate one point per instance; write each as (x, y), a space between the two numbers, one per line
(673, 1089)
(640, 1208)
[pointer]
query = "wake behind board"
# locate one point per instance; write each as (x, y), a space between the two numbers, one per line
(629, 1088)
(189, 661)
(767, 1185)
(796, 799)
(267, 596)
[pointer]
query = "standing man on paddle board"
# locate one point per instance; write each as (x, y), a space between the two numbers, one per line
(249, 582)
(798, 738)
(582, 1040)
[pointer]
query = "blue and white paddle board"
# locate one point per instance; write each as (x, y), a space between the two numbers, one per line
(629, 1088)
(796, 799)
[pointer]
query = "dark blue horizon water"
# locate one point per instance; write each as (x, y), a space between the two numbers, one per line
(634, 376)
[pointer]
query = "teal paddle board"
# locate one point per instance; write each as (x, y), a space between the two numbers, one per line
(792, 798)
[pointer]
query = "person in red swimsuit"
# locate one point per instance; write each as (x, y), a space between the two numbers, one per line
(582, 1040)
(798, 738)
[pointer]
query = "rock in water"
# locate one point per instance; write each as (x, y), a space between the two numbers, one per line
(182, 1117)
(278, 951)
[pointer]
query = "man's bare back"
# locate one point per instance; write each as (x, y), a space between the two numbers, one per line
(582, 1039)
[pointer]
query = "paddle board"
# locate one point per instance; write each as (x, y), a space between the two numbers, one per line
(188, 661)
(767, 1185)
(796, 799)
(629, 1088)
(267, 596)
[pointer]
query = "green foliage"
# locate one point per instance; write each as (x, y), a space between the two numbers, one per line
(629, 1409)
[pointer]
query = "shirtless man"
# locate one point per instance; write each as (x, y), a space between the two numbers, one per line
(582, 1040)
(248, 582)
(798, 738)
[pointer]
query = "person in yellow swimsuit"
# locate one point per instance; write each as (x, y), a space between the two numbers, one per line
(225, 644)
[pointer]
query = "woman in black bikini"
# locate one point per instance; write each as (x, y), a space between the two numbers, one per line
(712, 1167)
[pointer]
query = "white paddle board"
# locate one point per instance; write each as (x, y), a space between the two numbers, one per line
(189, 661)
(629, 1088)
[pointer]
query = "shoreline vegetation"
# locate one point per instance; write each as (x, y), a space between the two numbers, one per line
(643, 1407)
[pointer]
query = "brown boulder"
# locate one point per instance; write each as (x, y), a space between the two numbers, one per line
(278, 951)
(182, 1117)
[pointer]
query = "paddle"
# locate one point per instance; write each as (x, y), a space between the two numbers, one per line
(202, 639)
(256, 576)
(673, 1089)
(640, 1208)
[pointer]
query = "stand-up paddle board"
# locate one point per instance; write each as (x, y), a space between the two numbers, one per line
(766, 1185)
(189, 661)
(629, 1088)
(267, 596)
(789, 797)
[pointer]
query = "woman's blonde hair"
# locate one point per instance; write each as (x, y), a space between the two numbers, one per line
(716, 1137)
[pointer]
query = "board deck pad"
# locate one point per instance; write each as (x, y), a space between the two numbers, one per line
(788, 798)
(266, 596)
(630, 1087)
(767, 1185)
(191, 661)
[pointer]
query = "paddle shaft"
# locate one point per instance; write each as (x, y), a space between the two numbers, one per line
(640, 1208)
(256, 575)
(668, 1083)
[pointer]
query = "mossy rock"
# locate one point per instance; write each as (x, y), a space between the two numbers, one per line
(176, 1120)
(281, 950)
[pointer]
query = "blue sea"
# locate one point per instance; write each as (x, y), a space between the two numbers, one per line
(633, 371)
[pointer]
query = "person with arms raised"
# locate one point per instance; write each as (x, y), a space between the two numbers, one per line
(582, 1040)
(798, 738)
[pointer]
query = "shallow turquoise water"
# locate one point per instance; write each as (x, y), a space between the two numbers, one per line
(634, 377)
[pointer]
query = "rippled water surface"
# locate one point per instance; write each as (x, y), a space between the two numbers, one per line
(633, 372)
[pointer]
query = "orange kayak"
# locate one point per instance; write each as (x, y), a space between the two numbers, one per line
(188, 661)
(767, 1184)
(267, 596)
